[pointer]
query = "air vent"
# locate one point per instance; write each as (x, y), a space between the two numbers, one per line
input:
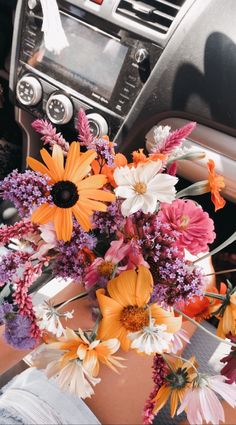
(155, 14)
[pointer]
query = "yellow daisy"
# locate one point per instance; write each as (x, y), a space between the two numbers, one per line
(72, 193)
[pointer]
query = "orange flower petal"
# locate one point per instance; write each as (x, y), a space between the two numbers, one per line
(92, 205)
(167, 318)
(52, 165)
(91, 363)
(110, 327)
(144, 286)
(63, 223)
(43, 214)
(83, 166)
(161, 398)
(92, 182)
(173, 402)
(72, 160)
(38, 166)
(123, 288)
(216, 183)
(124, 340)
(58, 157)
(98, 195)
(107, 305)
(85, 207)
(82, 217)
(120, 160)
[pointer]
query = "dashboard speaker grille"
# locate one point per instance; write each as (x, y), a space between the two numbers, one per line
(154, 14)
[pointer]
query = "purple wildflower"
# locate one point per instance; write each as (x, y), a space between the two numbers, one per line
(10, 264)
(160, 371)
(85, 135)
(5, 309)
(50, 135)
(26, 190)
(174, 281)
(174, 278)
(112, 220)
(18, 332)
(104, 150)
(72, 259)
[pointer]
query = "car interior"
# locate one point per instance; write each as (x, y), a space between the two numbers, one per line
(131, 65)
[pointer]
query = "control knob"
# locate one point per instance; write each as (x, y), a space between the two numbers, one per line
(59, 109)
(141, 55)
(98, 125)
(29, 90)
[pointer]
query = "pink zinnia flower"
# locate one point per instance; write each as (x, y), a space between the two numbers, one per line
(202, 405)
(103, 268)
(195, 227)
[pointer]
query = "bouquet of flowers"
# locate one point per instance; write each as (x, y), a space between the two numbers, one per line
(122, 231)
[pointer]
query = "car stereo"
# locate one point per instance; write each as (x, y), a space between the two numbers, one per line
(103, 69)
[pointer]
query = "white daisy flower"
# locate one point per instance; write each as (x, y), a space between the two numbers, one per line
(48, 318)
(143, 187)
(156, 136)
(151, 339)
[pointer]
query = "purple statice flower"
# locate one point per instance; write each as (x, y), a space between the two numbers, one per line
(73, 256)
(175, 280)
(157, 240)
(18, 332)
(5, 309)
(49, 135)
(104, 150)
(10, 263)
(111, 221)
(26, 190)
(160, 370)
(85, 135)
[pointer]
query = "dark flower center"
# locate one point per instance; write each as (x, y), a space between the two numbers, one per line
(64, 194)
(179, 379)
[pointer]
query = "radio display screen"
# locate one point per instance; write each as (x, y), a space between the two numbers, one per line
(92, 61)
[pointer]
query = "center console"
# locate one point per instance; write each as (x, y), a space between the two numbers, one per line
(103, 69)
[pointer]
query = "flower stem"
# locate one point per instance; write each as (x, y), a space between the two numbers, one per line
(225, 341)
(185, 360)
(228, 241)
(213, 295)
(168, 363)
(221, 272)
(77, 297)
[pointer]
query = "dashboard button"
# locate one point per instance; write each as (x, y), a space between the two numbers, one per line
(29, 90)
(59, 109)
(98, 124)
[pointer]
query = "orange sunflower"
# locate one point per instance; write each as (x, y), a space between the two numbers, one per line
(177, 382)
(127, 310)
(216, 183)
(71, 193)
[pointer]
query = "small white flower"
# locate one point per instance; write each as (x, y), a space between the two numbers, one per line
(49, 319)
(151, 339)
(143, 187)
(156, 136)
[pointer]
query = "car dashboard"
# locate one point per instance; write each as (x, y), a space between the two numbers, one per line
(131, 65)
